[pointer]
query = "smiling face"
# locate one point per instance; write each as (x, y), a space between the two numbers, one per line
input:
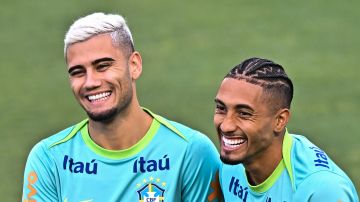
(245, 123)
(102, 78)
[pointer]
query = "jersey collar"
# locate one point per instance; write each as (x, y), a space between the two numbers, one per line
(285, 163)
(83, 128)
(286, 150)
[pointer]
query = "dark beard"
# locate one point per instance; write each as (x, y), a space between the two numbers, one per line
(104, 117)
(109, 115)
(229, 161)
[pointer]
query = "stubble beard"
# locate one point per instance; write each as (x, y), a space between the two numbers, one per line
(106, 116)
(229, 161)
(110, 114)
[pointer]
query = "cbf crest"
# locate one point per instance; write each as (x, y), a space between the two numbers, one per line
(151, 190)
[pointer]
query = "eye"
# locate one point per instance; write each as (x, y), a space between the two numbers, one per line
(103, 66)
(76, 72)
(244, 114)
(219, 109)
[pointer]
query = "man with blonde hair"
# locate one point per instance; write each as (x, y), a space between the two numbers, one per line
(122, 152)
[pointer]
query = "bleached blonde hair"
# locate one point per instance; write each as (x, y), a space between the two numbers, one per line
(100, 23)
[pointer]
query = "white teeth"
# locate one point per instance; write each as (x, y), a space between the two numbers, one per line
(99, 97)
(233, 142)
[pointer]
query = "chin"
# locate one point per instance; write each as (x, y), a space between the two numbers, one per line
(230, 161)
(106, 116)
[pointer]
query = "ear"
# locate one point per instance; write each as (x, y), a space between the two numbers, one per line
(135, 65)
(281, 119)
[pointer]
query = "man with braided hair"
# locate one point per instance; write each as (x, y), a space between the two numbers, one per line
(262, 161)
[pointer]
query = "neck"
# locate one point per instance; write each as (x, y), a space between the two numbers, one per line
(260, 169)
(124, 131)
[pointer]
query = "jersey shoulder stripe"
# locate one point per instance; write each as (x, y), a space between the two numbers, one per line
(186, 133)
(166, 123)
(70, 132)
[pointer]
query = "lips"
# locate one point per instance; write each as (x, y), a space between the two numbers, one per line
(99, 96)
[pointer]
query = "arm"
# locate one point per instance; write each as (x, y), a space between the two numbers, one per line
(39, 176)
(200, 171)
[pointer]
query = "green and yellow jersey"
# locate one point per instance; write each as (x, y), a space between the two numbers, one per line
(170, 163)
(305, 173)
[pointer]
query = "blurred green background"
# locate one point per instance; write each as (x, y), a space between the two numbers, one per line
(187, 48)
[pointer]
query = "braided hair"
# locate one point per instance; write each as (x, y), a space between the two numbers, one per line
(277, 86)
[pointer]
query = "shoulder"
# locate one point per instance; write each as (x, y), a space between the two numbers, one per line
(189, 135)
(314, 168)
(326, 186)
(65, 135)
(307, 158)
(197, 147)
(44, 145)
(197, 142)
(57, 137)
(186, 133)
(40, 156)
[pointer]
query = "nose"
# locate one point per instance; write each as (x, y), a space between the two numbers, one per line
(228, 124)
(92, 81)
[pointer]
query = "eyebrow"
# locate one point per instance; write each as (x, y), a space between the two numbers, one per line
(92, 63)
(219, 101)
(238, 106)
(102, 60)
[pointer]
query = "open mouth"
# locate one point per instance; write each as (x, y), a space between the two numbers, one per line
(233, 142)
(99, 97)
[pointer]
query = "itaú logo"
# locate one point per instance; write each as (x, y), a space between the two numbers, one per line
(31, 179)
(142, 165)
(78, 166)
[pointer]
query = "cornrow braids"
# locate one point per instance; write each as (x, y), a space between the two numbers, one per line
(269, 75)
